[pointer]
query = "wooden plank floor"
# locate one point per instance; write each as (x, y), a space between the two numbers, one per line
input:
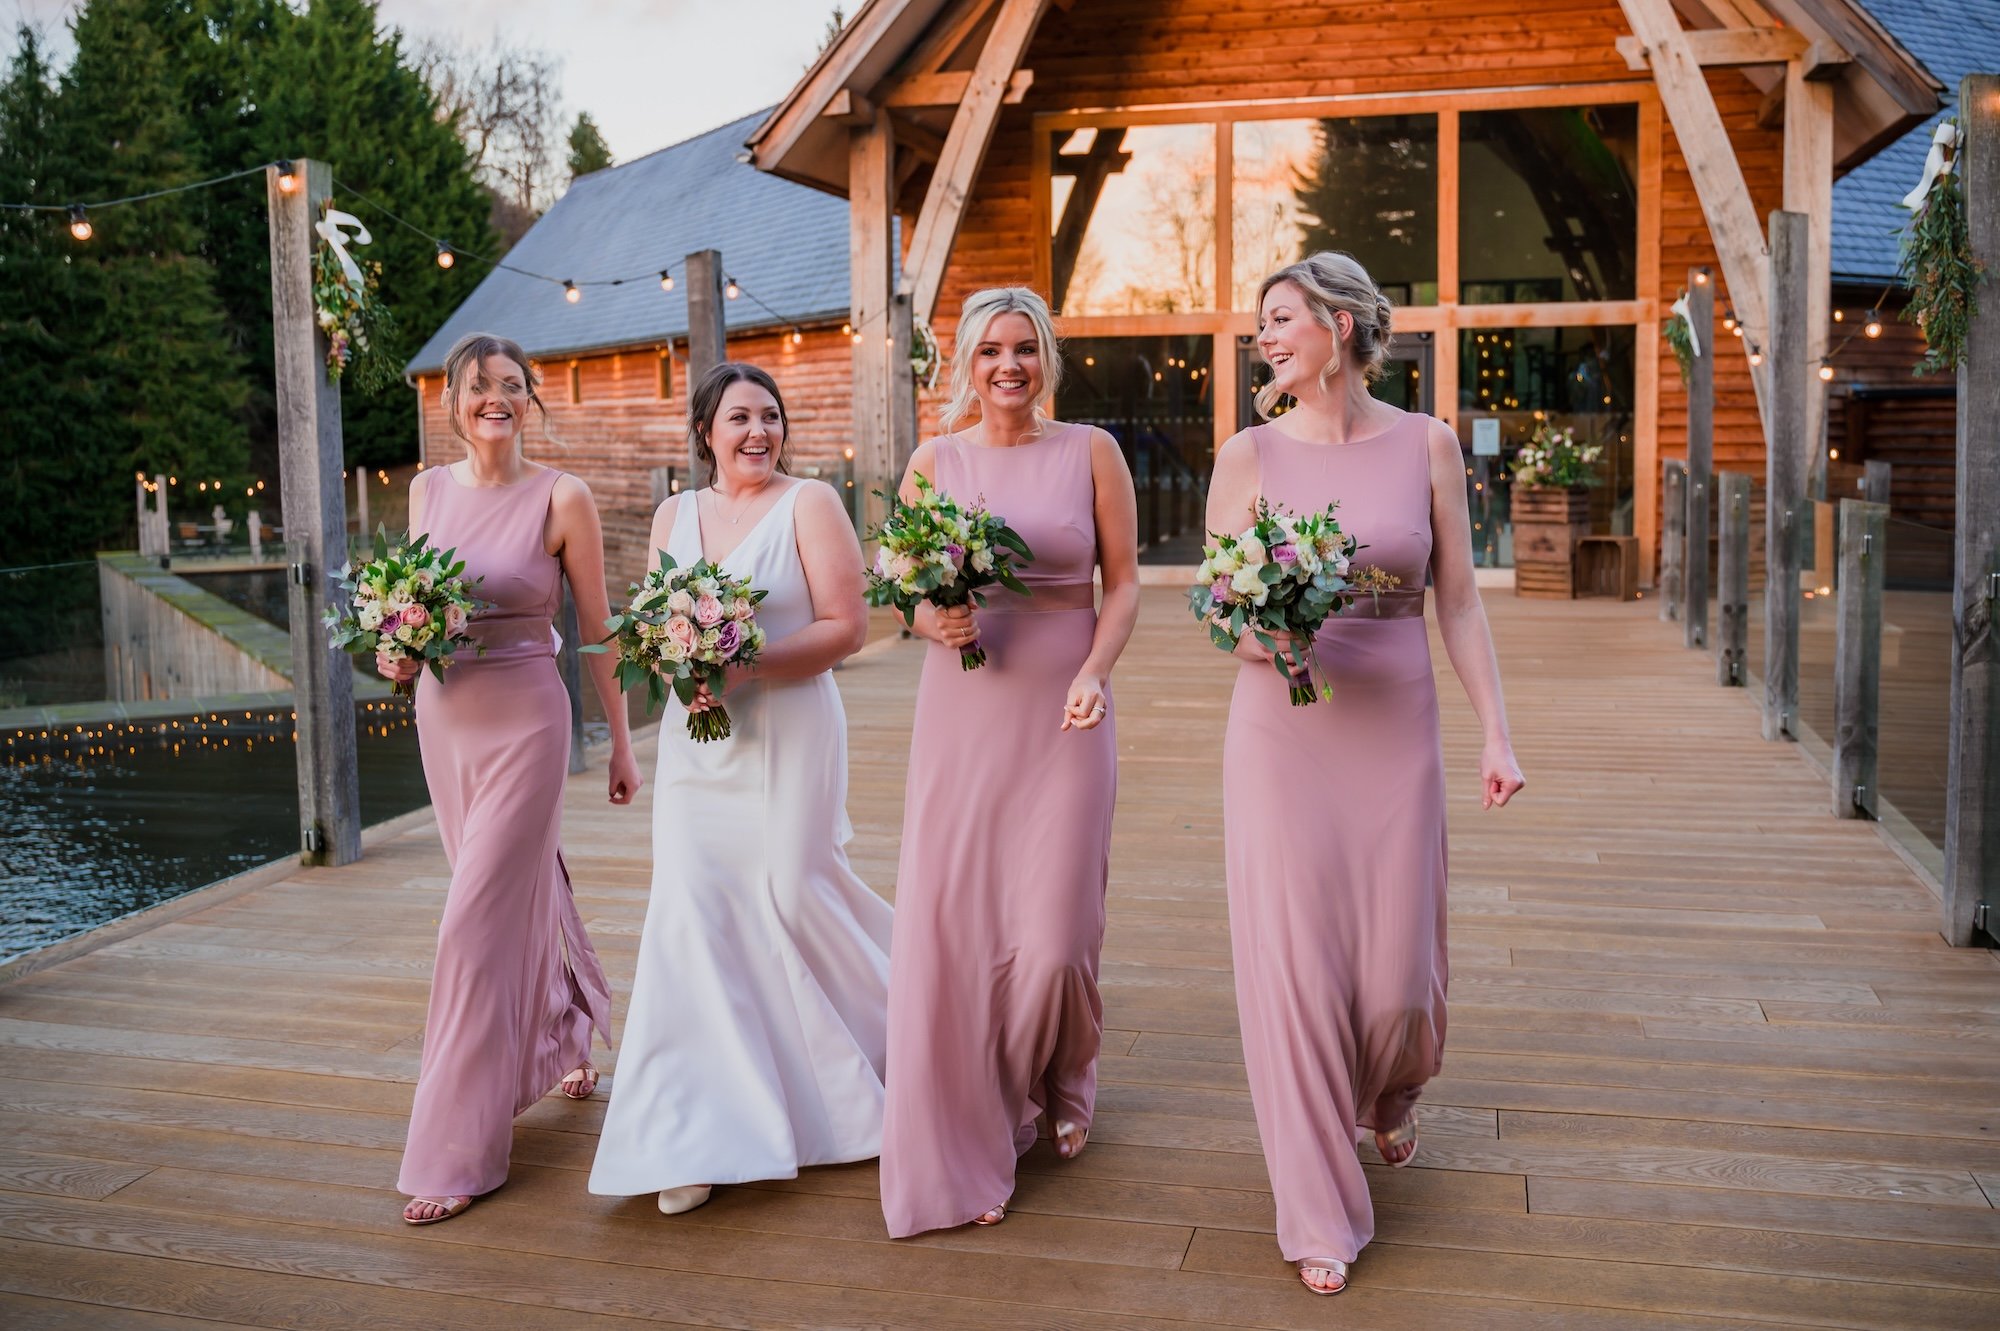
(1710, 1066)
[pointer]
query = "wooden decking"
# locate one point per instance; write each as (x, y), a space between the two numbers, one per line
(1710, 1066)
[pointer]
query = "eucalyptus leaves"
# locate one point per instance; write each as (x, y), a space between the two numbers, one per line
(1937, 260)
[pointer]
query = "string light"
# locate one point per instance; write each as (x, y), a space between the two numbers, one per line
(730, 289)
(1826, 374)
(1756, 354)
(1729, 319)
(666, 280)
(79, 223)
(288, 178)
(445, 258)
(846, 328)
(1701, 276)
(570, 293)
(1840, 316)
(797, 337)
(1873, 328)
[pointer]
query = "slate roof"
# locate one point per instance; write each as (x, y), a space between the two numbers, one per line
(1953, 38)
(784, 243)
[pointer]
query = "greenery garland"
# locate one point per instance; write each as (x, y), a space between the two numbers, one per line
(360, 330)
(1942, 275)
(926, 359)
(1681, 338)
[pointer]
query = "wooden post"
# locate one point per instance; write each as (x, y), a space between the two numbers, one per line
(873, 310)
(1972, 820)
(902, 385)
(571, 664)
(315, 518)
(1875, 481)
(154, 539)
(1673, 534)
(1787, 518)
(255, 523)
(707, 342)
(1700, 460)
(361, 502)
(1857, 662)
(1732, 577)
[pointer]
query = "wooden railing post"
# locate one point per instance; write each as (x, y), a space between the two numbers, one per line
(1700, 460)
(1673, 534)
(1787, 517)
(315, 517)
(1972, 821)
(571, 663)
(708, 343)
(1857, 667)
(1732, 569)
(1875, 481)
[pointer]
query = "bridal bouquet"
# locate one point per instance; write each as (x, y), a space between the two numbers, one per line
(1281, 578)
(1553, 457)
(682, 628)
(933, 550)
(409, 602)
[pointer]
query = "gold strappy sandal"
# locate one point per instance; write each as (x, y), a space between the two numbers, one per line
(1070, 1139)
(992, 1217)
(584, 1078)
(447, 1208)
(1404, 1133)
(1332, 1266)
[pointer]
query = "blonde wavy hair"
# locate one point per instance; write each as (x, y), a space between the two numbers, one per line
(981, 308)
(1333, 281)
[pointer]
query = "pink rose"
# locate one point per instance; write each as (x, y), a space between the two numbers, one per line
(416, 616)
(729, 639)
(391, 622)
(743, 609)
(1285, 553)
(454, 620)
(707, 611)
(681, 630)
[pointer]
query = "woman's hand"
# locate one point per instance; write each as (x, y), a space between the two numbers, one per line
(1086, 705)
(401, 669)
(1500, 776)
(954, 626)
(624, 780)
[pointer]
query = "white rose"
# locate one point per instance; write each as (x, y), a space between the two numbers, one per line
(426, 578)
(681, 603)
(1245, 583)
(1253, 550)
(1227, 562)
(671, 651)
(982, 560)
(369, 616)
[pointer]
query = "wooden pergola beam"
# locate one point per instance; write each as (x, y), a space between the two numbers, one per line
(965, 148)
(1727, 46)
(948, 89)
(1711, 161)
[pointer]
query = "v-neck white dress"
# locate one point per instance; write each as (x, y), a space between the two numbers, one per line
(754, 1042)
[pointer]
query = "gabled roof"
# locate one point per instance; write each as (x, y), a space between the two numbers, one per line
(1953, 38)
(785, 244)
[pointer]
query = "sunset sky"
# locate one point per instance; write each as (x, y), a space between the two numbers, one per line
(650, 72)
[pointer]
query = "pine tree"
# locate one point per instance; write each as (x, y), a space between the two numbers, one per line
(588, 151)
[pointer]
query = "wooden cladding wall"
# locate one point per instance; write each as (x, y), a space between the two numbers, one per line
(621, 428)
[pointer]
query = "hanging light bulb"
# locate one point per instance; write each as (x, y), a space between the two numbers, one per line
(1840, 316)
(570, 293)
(1729, 320)
(445, 258)
(730, 289)
(666, 280)
(1873, 328)
(288, 178)
(797, 337)
(856, 338)
(1826, 374)
(846, 328)
(79, 223)
(1701, 276)
(1756, 354)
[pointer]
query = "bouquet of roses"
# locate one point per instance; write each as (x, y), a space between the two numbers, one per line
(933, 550)
(409, 602)
(1282, 578)
(682, 628)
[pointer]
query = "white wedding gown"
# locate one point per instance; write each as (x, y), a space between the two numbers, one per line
(754, 1041)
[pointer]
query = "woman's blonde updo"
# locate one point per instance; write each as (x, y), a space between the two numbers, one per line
(463, 362)
(1334, 281)
(981, 308)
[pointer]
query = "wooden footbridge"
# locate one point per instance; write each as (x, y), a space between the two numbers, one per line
(1711, 1065)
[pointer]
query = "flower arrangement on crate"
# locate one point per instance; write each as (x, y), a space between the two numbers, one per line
(1553, 459)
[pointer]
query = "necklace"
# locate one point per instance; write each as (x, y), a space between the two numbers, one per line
(717, 505)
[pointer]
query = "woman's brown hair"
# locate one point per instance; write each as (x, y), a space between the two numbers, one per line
(706, 400)
(470, 352)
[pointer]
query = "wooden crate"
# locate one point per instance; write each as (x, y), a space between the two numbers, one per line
(1608, 566)
(1547, 525)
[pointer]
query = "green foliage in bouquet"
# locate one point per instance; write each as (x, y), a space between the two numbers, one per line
(1942, 275)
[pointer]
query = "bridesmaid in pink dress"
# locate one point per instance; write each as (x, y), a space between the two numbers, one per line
(517, 988)
(994, 1018)
(1333, 813)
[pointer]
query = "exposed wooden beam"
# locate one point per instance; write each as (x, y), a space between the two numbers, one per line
(1727, 46)
(925, 142)
(1809, 190)
(965, 148)
(1875, 52)
(827, 78)
(948, 89)
(947, 34)
(1711, 161)
(1824, 61)
(871, 158)
(851, 108)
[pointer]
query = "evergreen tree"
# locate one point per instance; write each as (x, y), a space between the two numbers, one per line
(133, 369)
(1370, 189)
(588, 151)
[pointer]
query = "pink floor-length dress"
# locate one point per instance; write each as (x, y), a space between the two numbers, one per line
(517, 988)
(1333, 823)
(994, 1016)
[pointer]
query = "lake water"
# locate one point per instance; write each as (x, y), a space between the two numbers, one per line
(127, 817)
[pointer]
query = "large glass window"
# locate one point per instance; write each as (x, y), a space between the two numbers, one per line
(1367, 185)
(1156, 397)
(1514, 380)
(1132, 221)
(1547, 206)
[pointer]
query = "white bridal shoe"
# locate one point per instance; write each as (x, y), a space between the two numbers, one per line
(673, 1201)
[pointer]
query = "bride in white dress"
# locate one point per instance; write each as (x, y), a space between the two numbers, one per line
(754, 1042)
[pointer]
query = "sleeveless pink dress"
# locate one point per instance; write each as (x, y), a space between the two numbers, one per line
(994, 1016)
(517, 987)
(1334, 840)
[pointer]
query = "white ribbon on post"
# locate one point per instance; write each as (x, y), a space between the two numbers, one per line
(1680, 307)
(329, 229)
(1944, 137)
